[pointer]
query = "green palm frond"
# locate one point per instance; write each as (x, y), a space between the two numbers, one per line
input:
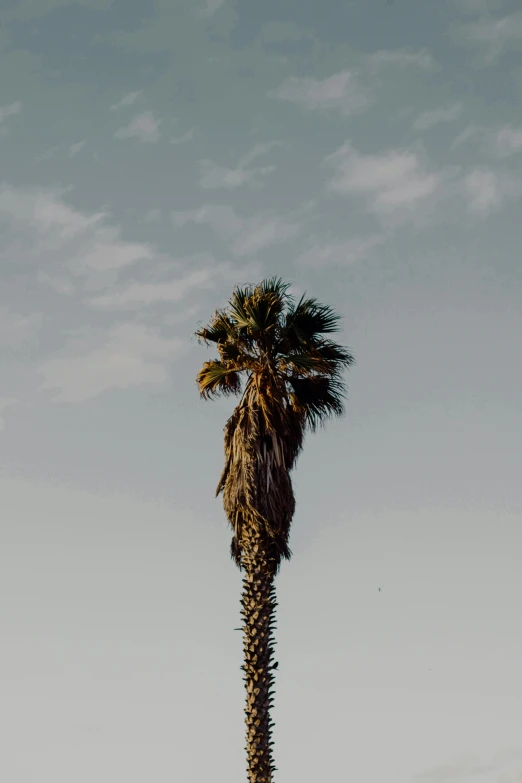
(264, 311)
(237, 307)
(219, 329)
(256, 314)
(275, 285)
(324, 357)
(216, 378)
(317, 398)
(308, 320)
(230, 352)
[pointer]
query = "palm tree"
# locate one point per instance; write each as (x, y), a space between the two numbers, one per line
(274, 354)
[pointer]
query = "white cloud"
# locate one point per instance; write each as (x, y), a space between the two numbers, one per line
(57, 282)
(18, 331)
(180, 316)
(144, 127)
(127, 100)
(471, 132)
(130, 355)
(262, 231)
(508, 141)
(214, 176)
(400, 58)
(478, 6)
(148, 293)
(8, 111)
(341, 92)
(107, 251)
(495, 35)
(26, 10)
(74, 149)
(6, 402)
(221, 217)
(152, 216)
(487, 191)
(429, 119)
(183, 138)
(248, 235)
(341, 253)
(47, 154)
(52, 244)
(59, 241)
(398, 186)
(210, 8)
(44, 211)
(393, 183)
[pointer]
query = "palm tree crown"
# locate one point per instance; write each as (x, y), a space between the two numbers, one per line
(274, 353)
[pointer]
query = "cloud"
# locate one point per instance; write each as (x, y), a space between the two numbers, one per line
(508, 141)
(127, 100)
(107, 251)
(471, 132)
(263, 231)
(210, 8)
(18, 331)
(392, 184)
(44, 211)
(221, 217)
(25, 10)
(503, 767)
(74, 149)
(8, 111)
(400, 58)
(144, 127)
(6, 402)
(248, 235)
(497, 143)
(129, 355)
(429, 119)
(55, 250)
(494, 35)
(341, 253)
(398, 186)
(47, 154)
(152, 216)
(59, 244)
(183, 138)
(487, 191)
(180, 316)
(456, 771)
(340, 92)
(478, 6)
(214, 176)
(148, 293)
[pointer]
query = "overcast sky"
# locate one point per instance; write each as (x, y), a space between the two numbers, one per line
(154, 154)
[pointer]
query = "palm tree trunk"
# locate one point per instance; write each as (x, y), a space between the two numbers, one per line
(258, 602)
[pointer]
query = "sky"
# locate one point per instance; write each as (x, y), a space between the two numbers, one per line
(154, 155)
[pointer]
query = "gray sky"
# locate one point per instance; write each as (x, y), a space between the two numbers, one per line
(155, 154)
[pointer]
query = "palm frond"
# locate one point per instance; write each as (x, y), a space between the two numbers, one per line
(317, 398)
(237, 307)
(308, 320)
(219, 329)
(255, 311)
(216, 378)
(275, 285)
(323, 357)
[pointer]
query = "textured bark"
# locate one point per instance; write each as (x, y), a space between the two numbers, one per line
(258, 612)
